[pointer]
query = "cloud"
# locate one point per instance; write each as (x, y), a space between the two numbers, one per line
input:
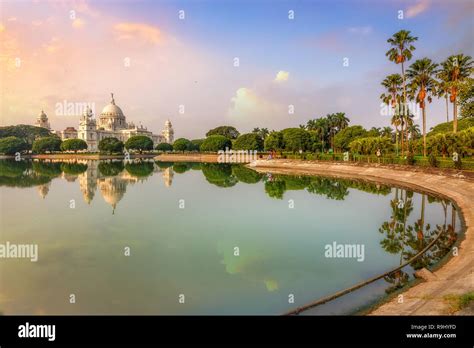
(247, 105)
(282, 76)
(138, 31)
(418, 8)
(360, 30)
(77, 23)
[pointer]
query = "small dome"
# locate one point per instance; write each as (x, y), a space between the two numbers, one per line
(42, 116)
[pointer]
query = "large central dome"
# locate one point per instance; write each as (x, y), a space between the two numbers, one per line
(112, 110)
(112, 117)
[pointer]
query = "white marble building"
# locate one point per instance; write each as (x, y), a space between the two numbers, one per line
(111, 123)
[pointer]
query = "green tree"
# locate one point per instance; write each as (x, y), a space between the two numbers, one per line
(42, 145)
(263, 132)
(466, 98)
(164, 147)
(456, 69)
(140, 143)
(347, 135)
(196, 144)
(274, 141)
(295, 139)
(25, 132)
(249, 141)
(215, 143)
(226, 131)
(182, 144)
(422, 87)
(12, 145)
(401, 51)
(73, 145)
(110, 145)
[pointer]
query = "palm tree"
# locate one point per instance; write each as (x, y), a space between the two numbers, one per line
(341, 120)
(400, 52)
(393, 85)
(457, 68)
(414, 131)
(386, 132)
(422, 83)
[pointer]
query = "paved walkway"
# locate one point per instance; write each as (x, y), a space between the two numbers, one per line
(456, 277)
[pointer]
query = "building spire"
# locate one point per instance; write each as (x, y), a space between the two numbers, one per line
(113, 101)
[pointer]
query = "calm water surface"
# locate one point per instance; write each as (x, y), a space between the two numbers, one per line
(182, 224)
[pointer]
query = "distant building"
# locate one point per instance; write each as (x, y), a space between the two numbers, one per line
(68, 133)
(111, 123)
(42, 121)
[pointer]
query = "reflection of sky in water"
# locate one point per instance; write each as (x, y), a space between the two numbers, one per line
(191, 251)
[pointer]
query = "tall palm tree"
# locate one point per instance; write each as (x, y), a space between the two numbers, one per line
(457, 68)
(393, 85)
(400, 52)
(422, 86)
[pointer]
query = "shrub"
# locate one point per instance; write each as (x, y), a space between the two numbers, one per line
(433, 160)
(410, 159)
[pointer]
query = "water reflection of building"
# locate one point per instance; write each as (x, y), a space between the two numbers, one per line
(88, 181)
(112, 188)
(168, 176)
(44, 189)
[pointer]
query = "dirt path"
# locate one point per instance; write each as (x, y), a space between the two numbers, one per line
(456, 277)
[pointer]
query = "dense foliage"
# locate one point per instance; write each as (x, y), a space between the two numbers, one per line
(164, 147)
(12, 145)
(249, 141)
(46, 144)
(226, 131)
(111, 145)
(139, 143)
(215, 143)
(73, 145)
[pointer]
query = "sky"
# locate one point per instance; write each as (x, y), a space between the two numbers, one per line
(206, 63)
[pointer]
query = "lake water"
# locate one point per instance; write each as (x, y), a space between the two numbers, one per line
(164, 238)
